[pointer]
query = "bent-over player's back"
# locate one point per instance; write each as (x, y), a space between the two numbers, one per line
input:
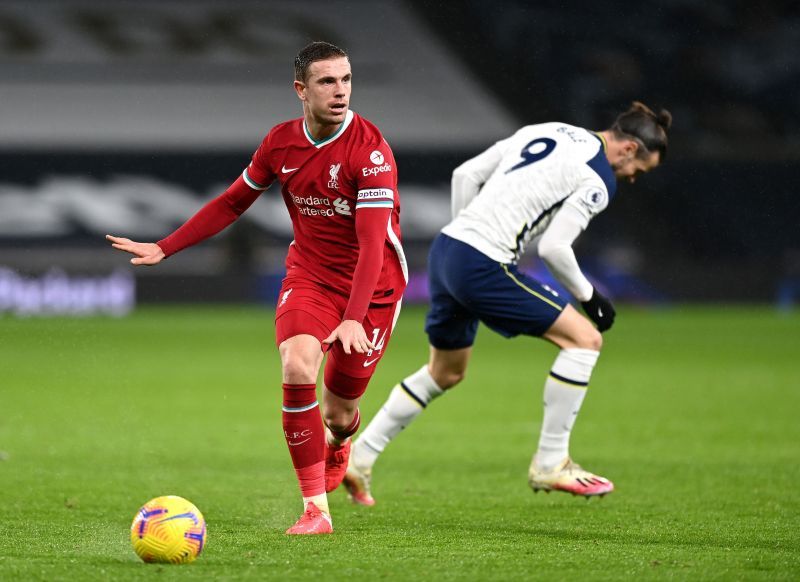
(535, 171)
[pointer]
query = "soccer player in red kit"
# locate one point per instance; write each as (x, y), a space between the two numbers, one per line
(345, 269)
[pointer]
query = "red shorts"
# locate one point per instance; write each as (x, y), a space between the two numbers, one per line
(306, 307)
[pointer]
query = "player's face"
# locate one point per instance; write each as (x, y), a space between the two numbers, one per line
(629, 167)
(326, 91)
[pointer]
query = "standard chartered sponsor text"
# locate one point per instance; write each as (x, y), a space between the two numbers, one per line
(310, 206)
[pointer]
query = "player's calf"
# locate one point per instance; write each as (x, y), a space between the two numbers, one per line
(336, 458)
(337, 452)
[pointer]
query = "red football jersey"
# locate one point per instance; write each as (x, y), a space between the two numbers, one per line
(324, 184)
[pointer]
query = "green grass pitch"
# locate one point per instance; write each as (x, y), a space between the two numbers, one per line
(693, 412)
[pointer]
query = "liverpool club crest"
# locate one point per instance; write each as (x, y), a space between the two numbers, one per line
(334, 173)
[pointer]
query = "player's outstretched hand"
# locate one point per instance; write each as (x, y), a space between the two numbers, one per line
(144, 253)
(600, 311)
(352, 335)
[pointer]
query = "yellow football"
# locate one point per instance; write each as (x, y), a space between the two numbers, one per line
(168, 529)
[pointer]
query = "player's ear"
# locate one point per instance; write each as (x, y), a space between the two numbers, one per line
(630, 148)
(300, 89)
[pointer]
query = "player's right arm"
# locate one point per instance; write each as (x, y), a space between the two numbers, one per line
(471, 175)
(555, 249)
(209, 220)
(212, 218)
(144, 253)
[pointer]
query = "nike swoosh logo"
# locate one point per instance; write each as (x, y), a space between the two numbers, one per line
(370, 362)
(285, 170)
(291, 444)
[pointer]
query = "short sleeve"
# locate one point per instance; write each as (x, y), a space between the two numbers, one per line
(258, 174)
(375, 167)
(376, 176)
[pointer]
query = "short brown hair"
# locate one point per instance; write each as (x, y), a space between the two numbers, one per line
(316, 51)
(640, 124)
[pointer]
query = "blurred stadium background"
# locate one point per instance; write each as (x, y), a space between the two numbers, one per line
(123, 117)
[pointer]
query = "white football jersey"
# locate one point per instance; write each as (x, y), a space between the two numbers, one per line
(521, 182)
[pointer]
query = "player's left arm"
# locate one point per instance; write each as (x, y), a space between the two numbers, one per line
(371, 224)
(469, 177)
(374, 206)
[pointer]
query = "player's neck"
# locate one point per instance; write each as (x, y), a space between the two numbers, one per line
(320, 131)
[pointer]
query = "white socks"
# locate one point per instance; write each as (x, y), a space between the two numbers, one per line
(564, 391)
(404, 404)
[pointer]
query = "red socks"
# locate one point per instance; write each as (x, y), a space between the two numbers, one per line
(303, 429)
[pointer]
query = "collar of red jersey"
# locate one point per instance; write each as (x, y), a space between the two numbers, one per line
(348, 118)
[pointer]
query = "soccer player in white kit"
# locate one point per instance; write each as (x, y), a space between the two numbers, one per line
(546, 182)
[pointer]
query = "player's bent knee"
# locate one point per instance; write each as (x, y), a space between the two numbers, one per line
(448, 367)
(339, 420)
(298, 370)
(575, 332)
(591, 339)
(300, 362)
(447, 379)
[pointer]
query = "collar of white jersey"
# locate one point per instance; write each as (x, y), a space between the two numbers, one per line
(348, 118)
(599, 136)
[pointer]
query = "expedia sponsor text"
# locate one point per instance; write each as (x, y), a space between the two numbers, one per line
(376, 170)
